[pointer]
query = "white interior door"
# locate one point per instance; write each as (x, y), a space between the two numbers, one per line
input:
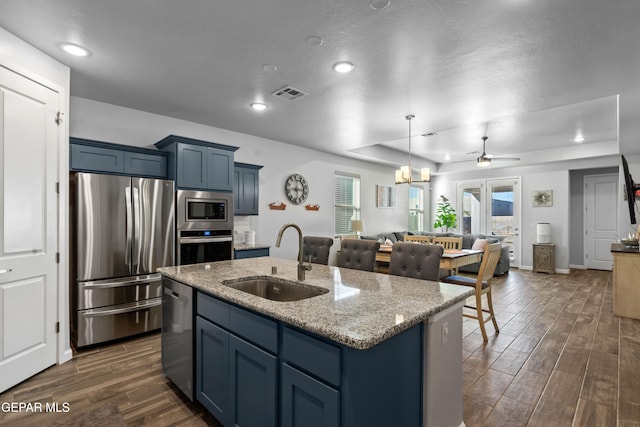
(601, 213)
(28, 227)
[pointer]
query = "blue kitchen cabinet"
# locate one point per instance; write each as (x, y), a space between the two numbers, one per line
(191, 167)
(250, 253)
(307, 402)
(276, 374)
(253, 386)
(236, 368)
(212, 373)
(103, 157)
(199, 165)
(246, 186)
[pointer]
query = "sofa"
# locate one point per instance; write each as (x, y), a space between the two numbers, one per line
(467, 243)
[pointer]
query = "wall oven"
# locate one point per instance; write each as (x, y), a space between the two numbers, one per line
(204, 226)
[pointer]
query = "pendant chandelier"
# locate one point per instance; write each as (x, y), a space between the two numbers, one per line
(403, 175)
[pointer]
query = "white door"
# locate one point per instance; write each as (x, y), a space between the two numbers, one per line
(492, 207)
(28, 227)
(503, 214)
(601, 213)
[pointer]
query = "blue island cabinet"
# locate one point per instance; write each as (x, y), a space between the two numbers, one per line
(199, 165)
(236, 369)
(252, 370)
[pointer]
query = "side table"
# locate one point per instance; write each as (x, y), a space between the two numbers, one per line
(544, 258)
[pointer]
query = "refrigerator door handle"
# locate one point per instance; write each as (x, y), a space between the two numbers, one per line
(129, 220)
(117, 283)
(137, 223)
(98, 312)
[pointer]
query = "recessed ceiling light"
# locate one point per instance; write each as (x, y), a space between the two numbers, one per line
(75, 50)
(269, 68)
(379, 4)
(578, 138)
(343, 67)
(259, 106)
(314, 41)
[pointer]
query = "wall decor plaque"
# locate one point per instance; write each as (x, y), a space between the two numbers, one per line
(542, 198)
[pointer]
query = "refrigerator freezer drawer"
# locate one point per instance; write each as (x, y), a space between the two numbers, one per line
(118, 321)
(102, 293)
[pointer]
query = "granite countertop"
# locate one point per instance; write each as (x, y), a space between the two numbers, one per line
(619, 247)
(360, 310)
(246, 246)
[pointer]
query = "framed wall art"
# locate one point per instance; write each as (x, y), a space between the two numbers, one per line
(386, 196)
(542, 198)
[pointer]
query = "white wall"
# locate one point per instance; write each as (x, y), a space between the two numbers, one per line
(111, 123)
(23, 58)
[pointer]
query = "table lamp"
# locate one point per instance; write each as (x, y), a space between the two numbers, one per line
(357, 225)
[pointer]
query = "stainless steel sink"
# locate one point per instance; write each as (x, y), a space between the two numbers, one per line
(275, 289)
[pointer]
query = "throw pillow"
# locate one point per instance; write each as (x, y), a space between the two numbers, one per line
(479, 244)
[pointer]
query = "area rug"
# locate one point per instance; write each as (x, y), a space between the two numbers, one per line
(104, 416)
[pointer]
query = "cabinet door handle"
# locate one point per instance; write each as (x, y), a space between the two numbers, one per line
(6, 270)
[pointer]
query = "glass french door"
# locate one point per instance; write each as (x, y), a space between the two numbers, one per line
(492, 207)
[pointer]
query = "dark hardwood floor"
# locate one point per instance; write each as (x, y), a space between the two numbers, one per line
(561, 359)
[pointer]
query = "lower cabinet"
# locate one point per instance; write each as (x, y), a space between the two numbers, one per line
(212, 369)
(250, 253)
(307, 402)
(253, 385)
(252, 370)
(235, 380)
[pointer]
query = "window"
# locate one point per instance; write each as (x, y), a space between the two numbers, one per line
(346, 195)
(416, 208)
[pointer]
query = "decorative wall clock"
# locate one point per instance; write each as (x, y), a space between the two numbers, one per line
(296, 188)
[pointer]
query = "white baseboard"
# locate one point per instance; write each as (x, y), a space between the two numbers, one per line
(577, 267)
(557, 270)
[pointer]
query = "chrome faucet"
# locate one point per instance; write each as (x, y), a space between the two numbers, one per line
(301, 267)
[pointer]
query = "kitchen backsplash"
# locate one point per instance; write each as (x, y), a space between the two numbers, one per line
(242, 224)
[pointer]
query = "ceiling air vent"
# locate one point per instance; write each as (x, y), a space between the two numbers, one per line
(289, 93)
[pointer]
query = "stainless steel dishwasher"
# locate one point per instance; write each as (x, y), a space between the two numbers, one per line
(177, 334)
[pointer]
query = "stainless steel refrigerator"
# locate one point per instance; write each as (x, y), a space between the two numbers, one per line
(122, 230)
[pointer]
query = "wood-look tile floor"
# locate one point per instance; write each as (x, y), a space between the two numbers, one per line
(561, 359)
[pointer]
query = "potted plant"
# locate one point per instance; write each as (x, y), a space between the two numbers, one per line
(445, 215)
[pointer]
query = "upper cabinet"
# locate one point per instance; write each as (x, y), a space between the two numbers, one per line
(246, 183)
(199, 165)
(102, 157)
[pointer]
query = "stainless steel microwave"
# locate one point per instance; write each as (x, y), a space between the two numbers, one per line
(204, 210)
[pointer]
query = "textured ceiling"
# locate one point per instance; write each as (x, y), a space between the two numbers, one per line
(536, 71)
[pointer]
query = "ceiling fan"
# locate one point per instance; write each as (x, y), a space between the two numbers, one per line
(485, 159)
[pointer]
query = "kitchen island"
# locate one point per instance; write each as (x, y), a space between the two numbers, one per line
(371, 350)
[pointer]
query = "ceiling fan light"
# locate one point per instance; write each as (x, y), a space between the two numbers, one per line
(483, 162)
